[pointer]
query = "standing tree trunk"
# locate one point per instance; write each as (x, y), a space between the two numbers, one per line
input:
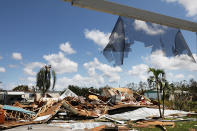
(158, 77)
(158, 98)
(163, 99)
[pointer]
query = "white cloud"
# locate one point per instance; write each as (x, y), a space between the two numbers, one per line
(1, 86)
(17, 56)
(9, 86)
(31, 79)
(99, 38)
(170, 0)
(174, 77)
(183, 62)
(1, 57)
(191, 76)
(141, 25)
(77, 80)
(189, 5)
(179, 76)
(140, 71)
(2, 69)
(107, 71)
(65, 47)
(88, 53)
(31, 66)
(63, 83)
(169, 76)
(60, 63)
(12, 66)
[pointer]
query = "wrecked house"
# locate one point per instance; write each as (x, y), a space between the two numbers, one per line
(117, 94)
(124, 92)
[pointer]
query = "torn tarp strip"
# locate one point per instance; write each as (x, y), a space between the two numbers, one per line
(12, 108)
(127, 31)
(116, 46)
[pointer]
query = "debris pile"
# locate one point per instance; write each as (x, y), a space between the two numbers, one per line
(113, 105)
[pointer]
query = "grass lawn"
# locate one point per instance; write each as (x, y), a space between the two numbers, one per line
(179, 126)
(184, 126)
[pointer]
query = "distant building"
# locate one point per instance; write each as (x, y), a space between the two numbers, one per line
(54, 94)
(10, 97)
(152, 94)
(172, 97)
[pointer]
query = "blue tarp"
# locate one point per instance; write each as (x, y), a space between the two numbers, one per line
(127, 31)
(12, 108)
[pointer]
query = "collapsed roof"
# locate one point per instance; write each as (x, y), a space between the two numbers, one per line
(126, 31)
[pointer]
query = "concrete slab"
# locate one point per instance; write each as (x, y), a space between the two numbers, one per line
(38, 127)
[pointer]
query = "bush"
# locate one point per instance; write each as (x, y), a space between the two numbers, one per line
(186, 106)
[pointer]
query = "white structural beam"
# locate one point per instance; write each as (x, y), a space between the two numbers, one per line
(127, 11)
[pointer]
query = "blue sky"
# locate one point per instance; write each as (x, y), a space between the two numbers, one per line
(34, 33)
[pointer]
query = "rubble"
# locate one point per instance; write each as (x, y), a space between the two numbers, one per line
(113, 128)
(110, 109)
(151, 124)
(82, 125)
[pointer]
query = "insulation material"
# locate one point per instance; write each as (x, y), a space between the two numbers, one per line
(41, 118)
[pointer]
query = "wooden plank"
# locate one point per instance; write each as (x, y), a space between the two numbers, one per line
(50, 111)
(146, 124)
(79, 112)
(131, 12)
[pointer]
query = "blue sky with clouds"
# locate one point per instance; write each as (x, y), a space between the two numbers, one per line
(34, 33)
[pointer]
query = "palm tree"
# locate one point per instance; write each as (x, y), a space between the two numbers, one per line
(43, 79)
(157, 78)
(150, 82)
(164, 87)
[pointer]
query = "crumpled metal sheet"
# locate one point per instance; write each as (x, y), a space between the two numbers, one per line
(143, 113)
(126, 32)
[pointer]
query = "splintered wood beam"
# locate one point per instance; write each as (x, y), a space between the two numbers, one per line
(131, 12)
